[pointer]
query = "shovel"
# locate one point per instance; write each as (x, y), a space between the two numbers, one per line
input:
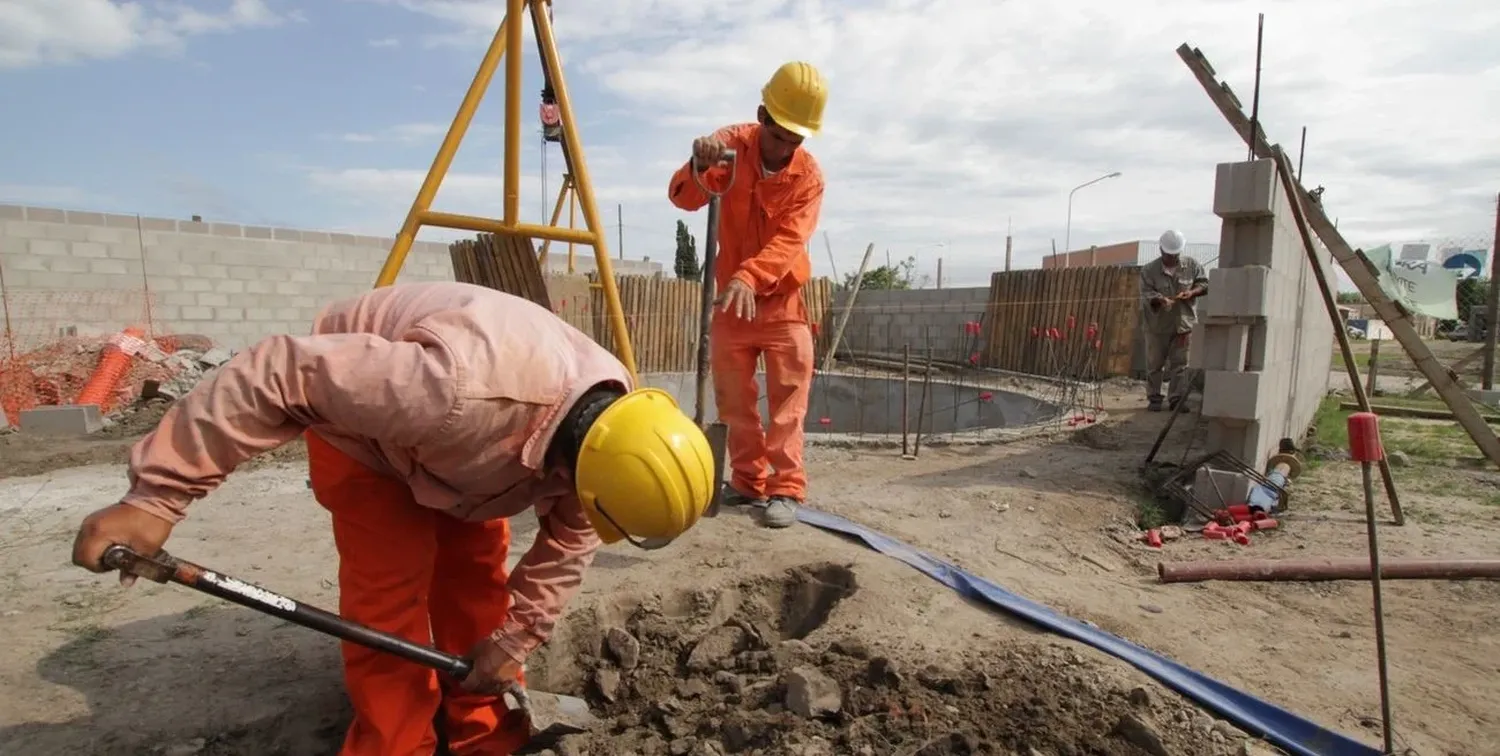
(718, 433)
(549, 715)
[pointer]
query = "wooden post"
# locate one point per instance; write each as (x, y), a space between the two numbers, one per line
(838, 331)
(1487, 381)
(1374, 367)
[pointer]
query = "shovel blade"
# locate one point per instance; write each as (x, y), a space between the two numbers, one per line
(718, 442)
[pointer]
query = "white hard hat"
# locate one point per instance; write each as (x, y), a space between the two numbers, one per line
(1172, 242)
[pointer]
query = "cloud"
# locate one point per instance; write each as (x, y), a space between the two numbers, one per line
(40, 32)
(953, 120)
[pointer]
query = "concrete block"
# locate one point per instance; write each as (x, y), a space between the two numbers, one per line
(158, 224)
(226, 229)
(12, 212)
(84, 218)
(1217, 489)
(121, 221)
(1232, 395)
(1248, 242)
(68, 420)
(192, 227)
(1246, 190)
(46, 215)
(1243, 292)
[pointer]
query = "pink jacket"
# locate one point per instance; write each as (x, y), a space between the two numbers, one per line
(454, 389)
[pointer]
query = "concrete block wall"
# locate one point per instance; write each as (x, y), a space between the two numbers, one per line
(884, 320)
(100, 272)
(1264, 339)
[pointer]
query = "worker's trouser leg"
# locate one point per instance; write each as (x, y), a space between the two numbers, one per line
(1166, 357)
(426, 577)
(753, 449)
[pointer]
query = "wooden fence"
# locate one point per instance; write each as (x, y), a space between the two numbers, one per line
(1024, 304)
(660, 313)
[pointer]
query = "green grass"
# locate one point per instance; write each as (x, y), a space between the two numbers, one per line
(1430, 440)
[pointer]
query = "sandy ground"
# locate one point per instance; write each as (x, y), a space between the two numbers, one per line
(92, 669)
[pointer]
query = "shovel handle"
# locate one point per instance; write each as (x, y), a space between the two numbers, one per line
(164, 568)
(729, 157)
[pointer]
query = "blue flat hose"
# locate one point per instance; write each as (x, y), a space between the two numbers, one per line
(1281, 728)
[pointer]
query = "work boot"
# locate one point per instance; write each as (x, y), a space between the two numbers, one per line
(729, 496)
(781, 512)
(1153, 405)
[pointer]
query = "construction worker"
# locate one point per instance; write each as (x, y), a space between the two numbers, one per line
(433, 412)
(774, 194)
(1170, 287)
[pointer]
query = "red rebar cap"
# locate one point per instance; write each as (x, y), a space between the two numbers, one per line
(1364, 437)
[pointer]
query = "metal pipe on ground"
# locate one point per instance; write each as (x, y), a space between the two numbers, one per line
(1309, 570)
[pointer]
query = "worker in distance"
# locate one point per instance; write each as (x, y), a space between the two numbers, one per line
(1170, 288)
(432, 413)
(770, 210)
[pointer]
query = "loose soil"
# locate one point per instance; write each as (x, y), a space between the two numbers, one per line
(158, 669)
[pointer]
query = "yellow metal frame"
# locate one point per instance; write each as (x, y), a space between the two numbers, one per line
(507, 44)
(569, 191)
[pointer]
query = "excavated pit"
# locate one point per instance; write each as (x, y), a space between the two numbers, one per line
(867, 409)
(750, 670)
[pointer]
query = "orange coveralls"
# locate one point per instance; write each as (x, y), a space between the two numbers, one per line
(764, 226)
(428, 410)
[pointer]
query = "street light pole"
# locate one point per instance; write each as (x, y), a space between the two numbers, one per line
(1068, 231)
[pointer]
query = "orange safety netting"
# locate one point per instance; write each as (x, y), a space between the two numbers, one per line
(69, 347)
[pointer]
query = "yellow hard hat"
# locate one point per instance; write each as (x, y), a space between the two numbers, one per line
(795, 97)
(645, 470)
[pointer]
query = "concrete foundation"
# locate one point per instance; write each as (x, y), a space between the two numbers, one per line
(1264, 339)
(67, 420)
(847, 407)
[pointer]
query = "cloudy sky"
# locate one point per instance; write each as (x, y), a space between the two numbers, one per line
(950, 121)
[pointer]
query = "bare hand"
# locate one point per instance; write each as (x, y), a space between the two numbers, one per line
(738, 299)
(122, 525)
(707, 151)
(1184, 296)
(494, 670)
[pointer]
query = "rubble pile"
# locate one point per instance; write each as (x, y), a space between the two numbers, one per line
(745, 671)
(163, 368)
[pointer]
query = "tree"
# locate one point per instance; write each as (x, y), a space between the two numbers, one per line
(686, 265)
(898, 276)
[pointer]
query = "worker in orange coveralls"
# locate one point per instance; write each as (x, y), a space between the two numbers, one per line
(433, 412)
(766, 217)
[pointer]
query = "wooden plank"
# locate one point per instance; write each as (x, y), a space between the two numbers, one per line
(1453, 369)
(1358, 268)
(1417, 413)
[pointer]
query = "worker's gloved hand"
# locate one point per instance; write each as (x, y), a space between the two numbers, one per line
(494, 670)
(123, 525)
(738, 300)
(707, 152)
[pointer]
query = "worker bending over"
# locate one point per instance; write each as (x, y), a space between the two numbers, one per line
(433, 412)
(1170, 287)
(766, 218)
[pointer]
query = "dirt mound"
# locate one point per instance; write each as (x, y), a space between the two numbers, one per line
(744, 671)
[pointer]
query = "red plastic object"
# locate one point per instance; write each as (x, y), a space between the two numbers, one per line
(974, 359)
(1055, 333)
(815, 330)
(825, 421)
(971, 327)
(1264, 523)
(985, 396)
(1364, 437)
(1153, 538)
(1213, 532)
(114, 363)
